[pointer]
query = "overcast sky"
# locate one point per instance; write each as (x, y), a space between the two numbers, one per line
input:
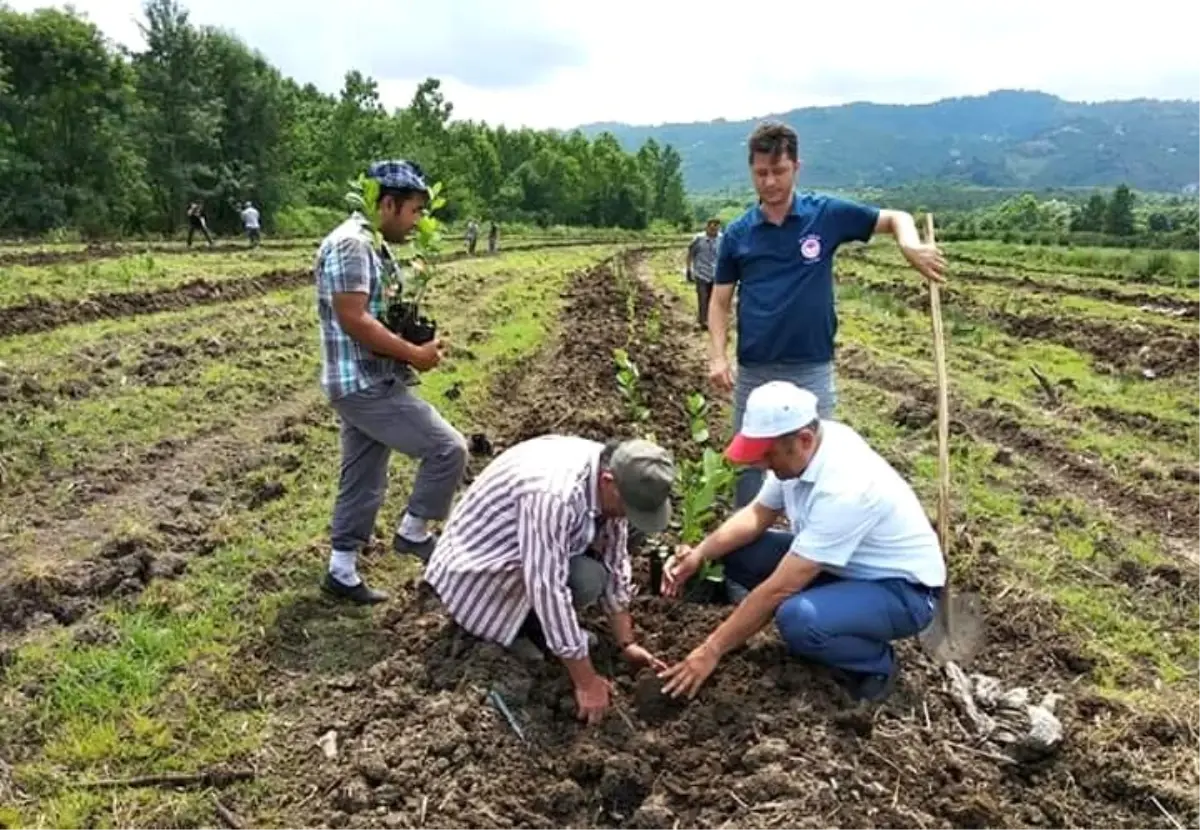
(559, 63)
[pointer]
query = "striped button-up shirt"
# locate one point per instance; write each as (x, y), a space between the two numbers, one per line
(506, 547)
(346, 262)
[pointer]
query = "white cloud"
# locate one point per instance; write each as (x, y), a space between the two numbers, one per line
(551, 63)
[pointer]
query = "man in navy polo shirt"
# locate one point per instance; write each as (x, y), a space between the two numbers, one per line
(780, 254)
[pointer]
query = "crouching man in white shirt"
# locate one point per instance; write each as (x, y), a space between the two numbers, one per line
(860, 569)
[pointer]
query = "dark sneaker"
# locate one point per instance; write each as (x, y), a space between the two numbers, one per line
(874, 688)
(421, 550)
(359, 594)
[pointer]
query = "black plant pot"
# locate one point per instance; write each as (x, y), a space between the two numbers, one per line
(656, 573)
(704, 591)
(406, 320)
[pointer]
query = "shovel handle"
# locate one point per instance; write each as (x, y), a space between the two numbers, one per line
(943, 404)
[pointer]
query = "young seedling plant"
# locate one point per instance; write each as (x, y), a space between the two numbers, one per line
(704, 485)
(627, 382)
(402, 313)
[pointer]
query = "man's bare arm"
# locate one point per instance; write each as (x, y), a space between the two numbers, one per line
(739, 530)
(719, 307)
(924, 257)
(355, 318)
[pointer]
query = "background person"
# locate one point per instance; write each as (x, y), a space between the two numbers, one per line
(251, 222)
(702, 266)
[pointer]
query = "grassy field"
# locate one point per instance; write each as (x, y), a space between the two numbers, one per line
(166, 481)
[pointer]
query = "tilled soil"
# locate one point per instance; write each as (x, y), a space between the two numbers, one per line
(1157, 303)
(1170, 509)
(184, 489)
(122, 362)
(769, 742)
(1044, 269)
(43, 315)
(1136, 348)
(114, 251)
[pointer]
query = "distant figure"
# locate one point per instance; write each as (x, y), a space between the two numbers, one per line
(702, 266)
(472, 236)
(493, 238)
(195, 215)
(250, 221)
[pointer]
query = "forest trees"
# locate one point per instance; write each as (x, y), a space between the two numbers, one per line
(108, 142)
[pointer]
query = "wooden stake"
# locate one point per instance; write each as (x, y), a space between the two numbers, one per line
(943, 404)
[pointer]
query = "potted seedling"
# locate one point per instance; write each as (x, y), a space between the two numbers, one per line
(402, 313)
(704, 484)
(706, 481)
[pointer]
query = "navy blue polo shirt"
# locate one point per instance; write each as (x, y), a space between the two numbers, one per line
(784, 275)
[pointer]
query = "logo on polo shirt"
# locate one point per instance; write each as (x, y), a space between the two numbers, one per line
(810, 247)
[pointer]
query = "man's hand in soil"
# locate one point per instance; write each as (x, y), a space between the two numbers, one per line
(677, 570)
(720, 374)
(638, 656)
(427, 356)
(592, 698)
(687, 676)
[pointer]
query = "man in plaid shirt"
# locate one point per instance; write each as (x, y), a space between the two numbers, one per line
(364, 376)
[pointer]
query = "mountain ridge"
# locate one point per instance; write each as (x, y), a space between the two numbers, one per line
(1006, 138)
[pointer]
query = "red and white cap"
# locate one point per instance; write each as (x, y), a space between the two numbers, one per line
(773, 409)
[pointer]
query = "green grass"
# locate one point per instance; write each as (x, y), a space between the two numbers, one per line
(171, 691)
(1127, 634)
(274, 354)
(985, 363)
(145, 272)
(1176, 268)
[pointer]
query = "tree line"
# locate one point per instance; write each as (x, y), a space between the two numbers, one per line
(108, 141)
(1122, 218)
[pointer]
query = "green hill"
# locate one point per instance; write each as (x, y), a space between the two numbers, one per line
(1003, 139)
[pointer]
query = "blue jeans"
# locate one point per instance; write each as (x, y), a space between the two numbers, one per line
(817, 378)
(845, 623)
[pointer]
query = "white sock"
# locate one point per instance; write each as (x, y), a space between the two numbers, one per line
(342, 567)
(413, 529)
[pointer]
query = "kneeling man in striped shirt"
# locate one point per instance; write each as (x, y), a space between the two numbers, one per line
(860, 568)
(542, 533)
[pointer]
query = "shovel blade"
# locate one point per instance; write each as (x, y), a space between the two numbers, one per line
(957, 631)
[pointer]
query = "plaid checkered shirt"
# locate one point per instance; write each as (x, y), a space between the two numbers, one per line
(347, 262)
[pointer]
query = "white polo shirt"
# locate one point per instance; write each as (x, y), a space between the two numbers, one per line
(854, 514)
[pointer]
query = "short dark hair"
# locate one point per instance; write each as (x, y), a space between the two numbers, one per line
(773, 138)
(399, 195)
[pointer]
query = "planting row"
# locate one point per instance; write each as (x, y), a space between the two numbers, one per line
(82, 403)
